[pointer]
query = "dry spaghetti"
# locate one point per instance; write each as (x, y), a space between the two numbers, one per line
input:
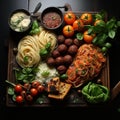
(29, 47)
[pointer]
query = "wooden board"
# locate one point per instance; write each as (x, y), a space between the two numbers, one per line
(70, 98)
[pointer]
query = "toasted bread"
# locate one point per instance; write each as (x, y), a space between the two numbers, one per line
(53, 85)
(63, 90)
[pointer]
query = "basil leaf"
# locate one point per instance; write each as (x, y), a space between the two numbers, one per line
(118, 23)
(21, 76)
(28, 70)
(26, 59)
(10, 91)
(111, 23)
(111, 33)
(45, 73)
(79, 36)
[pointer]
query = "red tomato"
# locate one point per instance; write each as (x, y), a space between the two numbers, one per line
(27, 86)
(29, 98)
(68, 31)
(23, 93)
(40, 88)
(69, 17)
(19, 99)
(18, 88)
(78, 25)
(88, 37)
(35, 84)
(86, 18)
(33, 91)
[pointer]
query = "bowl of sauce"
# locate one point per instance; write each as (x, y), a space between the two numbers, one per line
(20, 20)
(52, 18)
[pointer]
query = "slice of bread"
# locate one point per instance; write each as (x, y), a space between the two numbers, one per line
(53, 85)
(63, 90)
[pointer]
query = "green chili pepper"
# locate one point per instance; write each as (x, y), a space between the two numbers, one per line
(95, 93)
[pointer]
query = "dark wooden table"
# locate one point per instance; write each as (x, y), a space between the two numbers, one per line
(6, 7)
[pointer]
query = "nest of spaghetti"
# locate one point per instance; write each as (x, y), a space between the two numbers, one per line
(86, 65)
(29, 47)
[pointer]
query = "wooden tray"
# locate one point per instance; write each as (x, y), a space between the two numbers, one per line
(71, 97)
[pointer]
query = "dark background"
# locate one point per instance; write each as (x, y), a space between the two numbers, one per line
(7, 6)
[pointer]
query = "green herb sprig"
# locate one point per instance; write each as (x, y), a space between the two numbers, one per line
(45, 51)
(35, 28)
(24, 75)
(105, 31)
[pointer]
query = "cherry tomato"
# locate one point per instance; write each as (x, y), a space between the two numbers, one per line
(78, 25)
(29, 98)
(69, 18)
(27, 86)
(86, 18)
(19, 99)
(33, 91)
(40, 88)
(23, 93)
(35, 84)
(88, 37)
(18, 88)
(68, 30)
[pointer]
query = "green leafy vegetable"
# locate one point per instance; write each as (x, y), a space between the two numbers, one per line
(25, 74)
(100, 16)
(45, 51)
(35, 24)
(105, 31)
(63, 76)
(79, 36)
(10, 91)
(35, 28)
(45, 73)
(26, 59)
(95, 93)
(41, 99)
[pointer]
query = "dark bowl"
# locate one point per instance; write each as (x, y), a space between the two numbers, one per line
(52, 18)
(18, 23)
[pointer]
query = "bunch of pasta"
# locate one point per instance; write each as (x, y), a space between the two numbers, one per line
(29, 47)
(87, 64)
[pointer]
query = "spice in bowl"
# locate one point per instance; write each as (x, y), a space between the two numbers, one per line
(52, 18)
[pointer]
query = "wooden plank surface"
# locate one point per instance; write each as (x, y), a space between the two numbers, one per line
(13, 41)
